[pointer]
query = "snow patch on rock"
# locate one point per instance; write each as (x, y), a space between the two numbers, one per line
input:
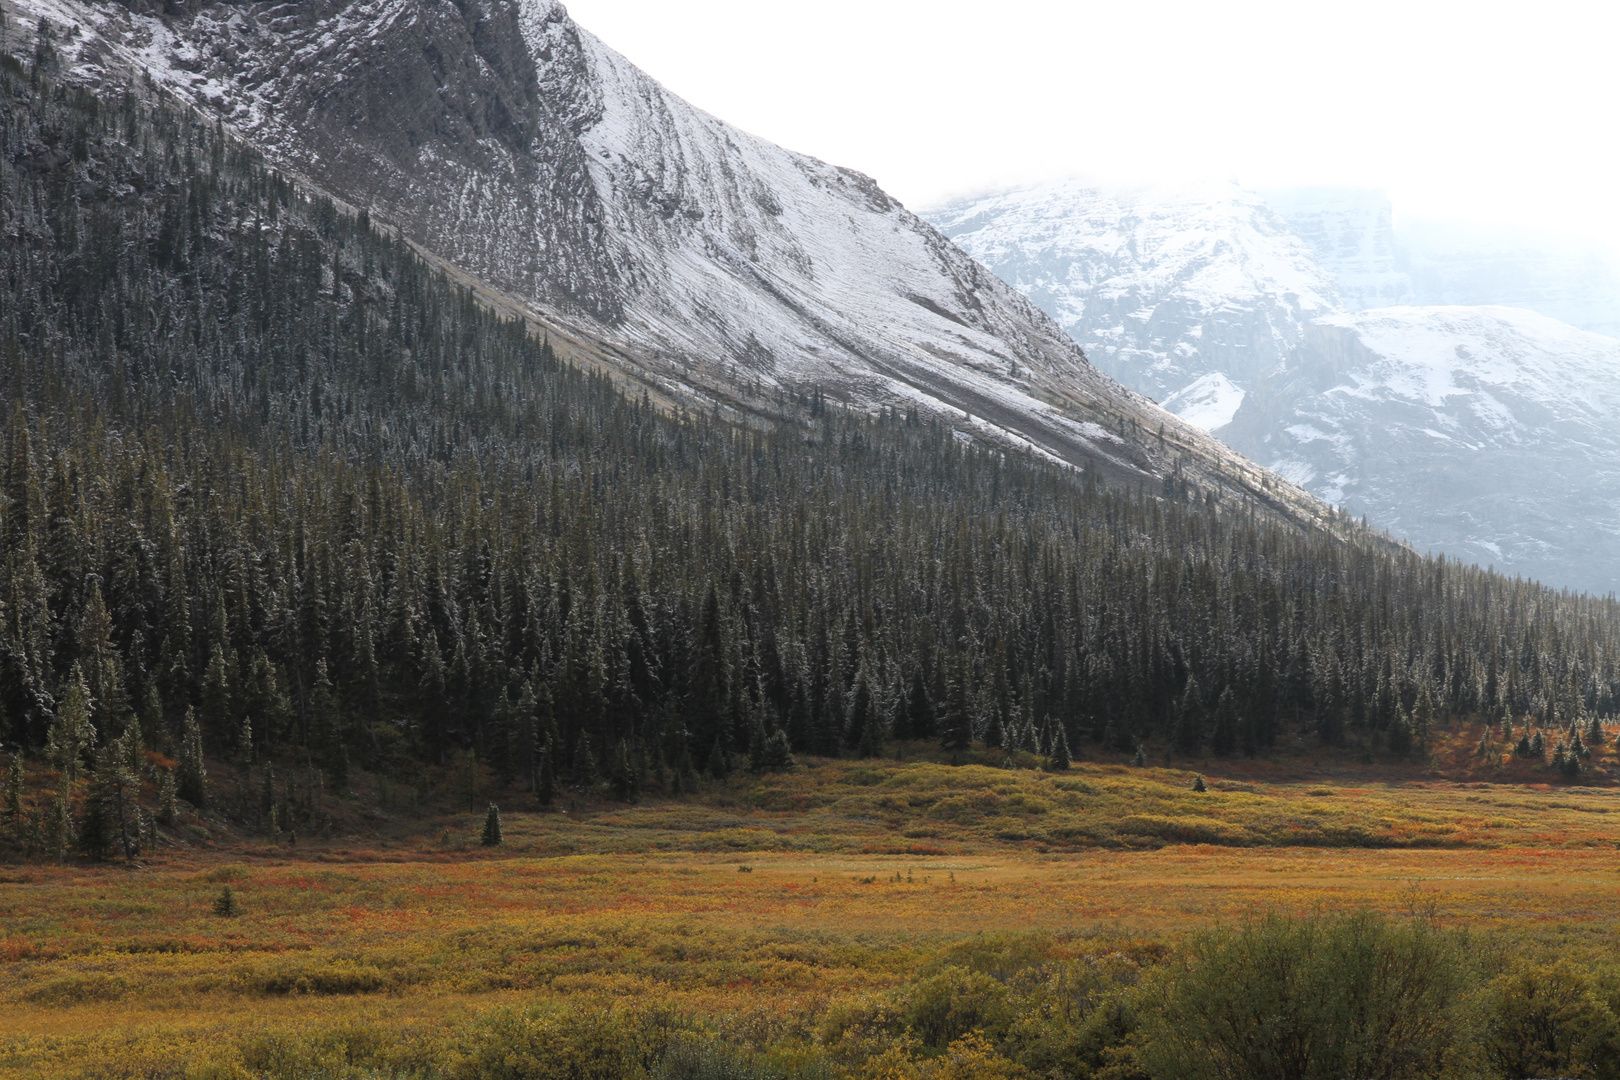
(1209, 401)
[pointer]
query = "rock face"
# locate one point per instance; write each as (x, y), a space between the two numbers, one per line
(1452, 265)
(508, 141)
(1489, 433)
(1161, 287)
(1351, 233)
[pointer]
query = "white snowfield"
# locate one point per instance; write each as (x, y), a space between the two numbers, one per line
(1491, 433)
(1160, 286)
(509, 141)
(1209, 401)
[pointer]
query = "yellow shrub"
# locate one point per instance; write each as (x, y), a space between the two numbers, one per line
(586, 1042)
(77, 989)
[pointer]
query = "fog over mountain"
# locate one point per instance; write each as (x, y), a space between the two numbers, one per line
(1382, 258)
(1453, 385)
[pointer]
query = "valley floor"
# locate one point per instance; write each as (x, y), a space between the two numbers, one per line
(763, 901)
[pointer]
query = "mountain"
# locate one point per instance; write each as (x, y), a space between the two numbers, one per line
(1452, 264)
(1482, 432)
(1486, 433)
(703, 263)
(1351, 233)
(1160, 287)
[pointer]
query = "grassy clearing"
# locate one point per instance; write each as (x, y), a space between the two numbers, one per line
(775, 901)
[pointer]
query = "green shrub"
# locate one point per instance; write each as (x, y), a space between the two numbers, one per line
(338, 977)
(701, 1056)
(1319, 998)
(944, 1007)
(1002, 956)
(577, 1043)
(77, 989)
(353, 1051)
(1548, 1020)
(1078, 1019)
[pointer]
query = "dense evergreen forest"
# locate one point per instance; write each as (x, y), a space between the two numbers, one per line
(277, 490)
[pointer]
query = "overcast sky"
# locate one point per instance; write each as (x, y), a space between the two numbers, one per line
(1482, 111)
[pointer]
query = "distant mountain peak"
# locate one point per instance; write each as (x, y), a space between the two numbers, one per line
(1160, 285)
(1285, 324)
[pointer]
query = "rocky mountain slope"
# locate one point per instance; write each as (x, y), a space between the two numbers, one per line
(1483, 432)
(1351, 234)
(1487, 433)
(1160, 287)
(707, 263)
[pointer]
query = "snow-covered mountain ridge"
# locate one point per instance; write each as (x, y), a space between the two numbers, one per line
(511, 143)
(1160, 287)
(1491, 433)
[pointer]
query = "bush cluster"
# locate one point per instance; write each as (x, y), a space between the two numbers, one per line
(1321, 997)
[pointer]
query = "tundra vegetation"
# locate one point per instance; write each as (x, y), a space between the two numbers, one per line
(385, 694)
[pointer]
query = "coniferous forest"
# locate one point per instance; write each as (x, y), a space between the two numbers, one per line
(274, 488)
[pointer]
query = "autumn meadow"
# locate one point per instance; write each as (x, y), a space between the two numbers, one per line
(789, 917)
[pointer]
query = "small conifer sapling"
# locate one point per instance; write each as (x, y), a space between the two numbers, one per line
(492, 827)
(225, 905)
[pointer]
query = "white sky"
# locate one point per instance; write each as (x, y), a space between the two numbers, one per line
(1483, 111)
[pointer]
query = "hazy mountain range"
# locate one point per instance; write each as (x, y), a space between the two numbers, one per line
(1433, 390)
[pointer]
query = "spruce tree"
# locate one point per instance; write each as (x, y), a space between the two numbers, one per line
(1188, 735)
(957, 730)
(756, 746)
(1400, 734)
(72, 734)
(1223, 736)
(167, 813)
(719, 766)
(217, 704)
(585, 775)
(623, 773)
(546, 787)
(191, 777)
(225, 905)
(63, 830)
(1060, 750)
(325, 718)
(778, 756)
(865, 724)
(14, 791)
(919, 709)
(1422, 720)
(526, 726)
(492, 827)
(108, 804)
